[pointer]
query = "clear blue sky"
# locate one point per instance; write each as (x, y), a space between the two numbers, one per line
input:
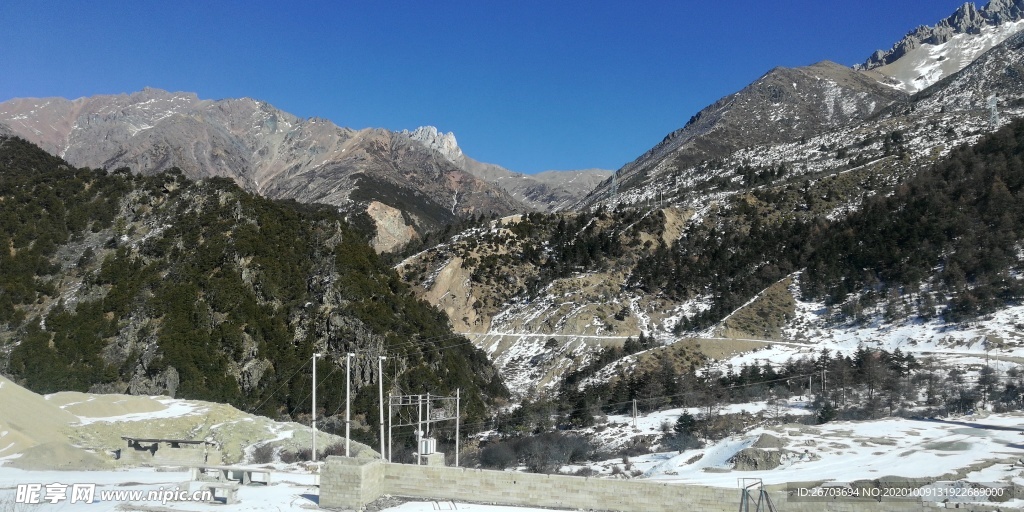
(530, 85)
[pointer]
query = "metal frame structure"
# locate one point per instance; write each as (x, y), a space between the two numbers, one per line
(753, 493)
(430, 409)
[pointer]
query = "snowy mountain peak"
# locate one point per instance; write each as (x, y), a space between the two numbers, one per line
(927, 54)
(443, 143)
(967, 19)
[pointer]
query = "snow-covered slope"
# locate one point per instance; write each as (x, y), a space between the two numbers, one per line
(925, 65)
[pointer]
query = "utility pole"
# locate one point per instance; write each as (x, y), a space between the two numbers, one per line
(457, 397)
(993, 115)
(634, 413)
(380, 393)
(348, 404)
(391, 416)
(313, 423)
(419, 429)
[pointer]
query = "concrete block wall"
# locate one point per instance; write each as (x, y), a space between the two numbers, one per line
(549, 490)
(349, 483)
(352, 483)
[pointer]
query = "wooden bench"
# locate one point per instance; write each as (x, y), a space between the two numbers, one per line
(228, 491)
(230, 473)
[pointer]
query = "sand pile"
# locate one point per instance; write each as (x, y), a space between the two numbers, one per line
(71, 430)
(60, 455)
(102, 406)
(27, 419)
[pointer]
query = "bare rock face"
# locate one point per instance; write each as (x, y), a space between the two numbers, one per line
(392, 230)
(967, 19)
(263, 149)
(165, 383)
(443, 143)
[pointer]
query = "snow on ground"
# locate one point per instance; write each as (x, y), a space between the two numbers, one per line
(976, 449)
(927, 64)
(290, 488)
(619, 431)
(998, 334)
(424, 506)
(174, 408)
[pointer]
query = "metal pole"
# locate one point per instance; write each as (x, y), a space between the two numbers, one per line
(348, 404)
(313, 423)
(419, 427)
(457, 395)
(427, 416)
(380, 393)
(391, 420)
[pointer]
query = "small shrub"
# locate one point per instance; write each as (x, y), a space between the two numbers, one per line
(263, 454)
(498, 456)
(334, 449)
(289, 457)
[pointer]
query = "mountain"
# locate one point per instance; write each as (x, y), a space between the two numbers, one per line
(790, 105)
(929, 53)
(406, 187)
(735, 226)
(784, 105)
(157, 284)
(545, 191)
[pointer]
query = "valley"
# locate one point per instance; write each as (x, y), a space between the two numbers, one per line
(817, 281)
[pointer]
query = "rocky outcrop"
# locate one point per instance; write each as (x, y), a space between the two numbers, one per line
(756, 459)
(392, 230)
(545, 191)
(967, 19)
(443, 143)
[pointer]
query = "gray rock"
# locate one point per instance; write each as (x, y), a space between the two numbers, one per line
(967, 19)
(756, 459)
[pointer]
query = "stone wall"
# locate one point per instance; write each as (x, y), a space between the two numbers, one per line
(352, 483)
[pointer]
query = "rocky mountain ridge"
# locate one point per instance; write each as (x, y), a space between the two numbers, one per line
(263, 149)
(967, 19)
(408, 182)
(790, 105)
(784, 105)
(545, 191)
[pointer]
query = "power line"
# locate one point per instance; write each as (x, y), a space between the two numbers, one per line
(283, 384)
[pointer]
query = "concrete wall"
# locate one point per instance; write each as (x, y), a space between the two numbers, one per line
(166, 455)
(352, 483)
(349, 483)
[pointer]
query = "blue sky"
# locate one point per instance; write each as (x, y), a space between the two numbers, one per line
(530, 85)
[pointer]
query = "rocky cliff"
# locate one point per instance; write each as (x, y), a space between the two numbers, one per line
(968, 19)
